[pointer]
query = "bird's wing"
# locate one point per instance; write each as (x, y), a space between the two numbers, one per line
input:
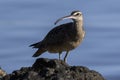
(57, 35)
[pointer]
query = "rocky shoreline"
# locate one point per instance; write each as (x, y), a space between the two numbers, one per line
(53, 69)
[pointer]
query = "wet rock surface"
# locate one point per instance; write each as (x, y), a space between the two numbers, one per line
(53, 69)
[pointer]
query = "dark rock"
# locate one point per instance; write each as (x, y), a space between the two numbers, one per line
(53, 69)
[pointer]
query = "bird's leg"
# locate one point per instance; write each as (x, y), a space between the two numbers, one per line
(59, 55)
(66, 56)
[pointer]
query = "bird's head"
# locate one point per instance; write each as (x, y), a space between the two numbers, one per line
(75, 16)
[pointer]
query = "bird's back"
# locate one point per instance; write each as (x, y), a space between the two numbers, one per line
(59, 34)
(61, 38)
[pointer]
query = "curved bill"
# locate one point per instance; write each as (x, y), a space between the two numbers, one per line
(66, 17)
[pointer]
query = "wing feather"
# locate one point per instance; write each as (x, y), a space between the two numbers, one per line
(57, 35)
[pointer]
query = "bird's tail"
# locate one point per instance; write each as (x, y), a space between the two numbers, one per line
(40, 47)
(36, 45)
(39, 52)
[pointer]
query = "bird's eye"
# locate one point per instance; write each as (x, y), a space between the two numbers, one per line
(77, 14)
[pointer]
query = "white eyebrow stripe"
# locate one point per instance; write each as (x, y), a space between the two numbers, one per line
(77, 13)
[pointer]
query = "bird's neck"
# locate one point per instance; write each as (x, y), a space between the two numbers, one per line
(79, 28)
(79, 25)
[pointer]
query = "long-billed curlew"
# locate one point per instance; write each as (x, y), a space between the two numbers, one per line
(64, 37)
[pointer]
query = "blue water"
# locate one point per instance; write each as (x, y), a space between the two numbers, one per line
(24, 22)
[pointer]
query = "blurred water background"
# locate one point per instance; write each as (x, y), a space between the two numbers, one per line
(23, 22)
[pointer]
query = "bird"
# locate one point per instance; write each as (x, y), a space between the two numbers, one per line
(64, 37)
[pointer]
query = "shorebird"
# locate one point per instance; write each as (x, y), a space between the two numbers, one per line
(64, 37)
